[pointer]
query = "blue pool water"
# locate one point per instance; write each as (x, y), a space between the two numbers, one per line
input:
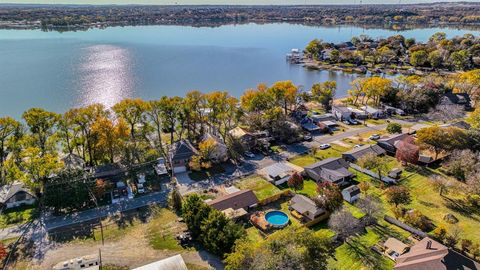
(277, 218)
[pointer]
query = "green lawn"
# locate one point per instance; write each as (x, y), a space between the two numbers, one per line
(356, 254)
(309, 188)
(160, 231)
(17, 216)
(304, 160)
(261, 187)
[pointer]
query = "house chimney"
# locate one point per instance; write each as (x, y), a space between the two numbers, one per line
(429, 244)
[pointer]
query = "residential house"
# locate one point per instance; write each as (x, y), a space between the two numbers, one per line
(373, 112)
(392, 110)
(279, 173)
(394, 248)
(219, 153)
(317, 118)
(356, 153)
(351, 193)
(358, 114)
(413, 129)
(429, 254)
(453, 99)
(305, 210)
(308, 125)
(15, 195)
(180, 154)
(342, 113)
(334, 170)
(245, 199)
(109, 170)
(171, 263)
(73, 162)
(388, 143)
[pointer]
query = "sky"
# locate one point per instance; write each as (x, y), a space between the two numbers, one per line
(229, 2)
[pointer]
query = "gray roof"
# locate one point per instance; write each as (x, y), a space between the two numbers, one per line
(359, 152)
(393, 138)
(182, 150)
(332, 169)
(305, 206)
(352, 190)
(9, 190)
(236, 200)
(73, 161)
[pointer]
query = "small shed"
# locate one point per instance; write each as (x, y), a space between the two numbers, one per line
(351, 193)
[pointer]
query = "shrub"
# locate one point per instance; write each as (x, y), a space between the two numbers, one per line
(394, 128)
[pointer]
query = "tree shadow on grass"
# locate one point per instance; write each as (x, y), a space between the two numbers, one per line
(460, 206)
(360, 251)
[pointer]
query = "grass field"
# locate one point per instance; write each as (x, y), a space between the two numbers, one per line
(304, 160)
(261, 187)
(309, 188)
(17, 216)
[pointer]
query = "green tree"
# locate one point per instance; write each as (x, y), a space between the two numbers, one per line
(371, 161)
(314, 48)
(324, 93)
(42, 127)
(435, 59)
(194, 211)
(398, 195)
(460, 59)
(393, 128)
(175, 199)
(8, 128)
(218, 233)
(419, 58)
(291, 248)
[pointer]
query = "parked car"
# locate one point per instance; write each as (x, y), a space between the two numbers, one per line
(347, 122)
(374, 137)
(324, 146)
(357, 145)
(140, 188)
(249, 154)
(354, 122)
(307, 138)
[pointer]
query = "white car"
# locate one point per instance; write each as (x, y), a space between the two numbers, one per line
(324, 146)
(374, 137)
(358, 145)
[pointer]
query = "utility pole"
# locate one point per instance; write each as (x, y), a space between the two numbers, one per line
(100, 258)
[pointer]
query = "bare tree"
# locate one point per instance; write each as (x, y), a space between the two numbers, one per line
(441, 184)
(446, 113)
(343, 223)
(372, 209)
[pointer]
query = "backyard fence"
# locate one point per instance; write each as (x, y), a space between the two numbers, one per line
(276, 197)
(404, 226)
(385, 179)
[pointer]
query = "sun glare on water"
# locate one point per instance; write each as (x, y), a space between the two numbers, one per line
(106, 75)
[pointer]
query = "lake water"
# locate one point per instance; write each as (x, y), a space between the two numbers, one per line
(58, 71)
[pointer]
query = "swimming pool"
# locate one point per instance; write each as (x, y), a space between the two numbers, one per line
(277, 219)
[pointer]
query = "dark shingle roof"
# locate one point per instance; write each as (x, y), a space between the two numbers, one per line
(182, 150)
(305, 206)
(332, 169)
(9, 190)
(393, 138)
(359, 152)
(236, 200)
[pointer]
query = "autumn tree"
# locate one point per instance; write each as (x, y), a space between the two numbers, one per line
(8, 128)
(314, 48)
(324, 93)
(398, 195)
(441, 139)
(329, 196)
(3, 252)
(441, 184)
(461, 163)
(407, 152)
(41, 124)
(133, 112)
(295, 181)
(371, 161)
(419, 58)
(393, 128)
(109, 137)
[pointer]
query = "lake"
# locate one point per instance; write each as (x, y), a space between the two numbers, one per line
(58, 71)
